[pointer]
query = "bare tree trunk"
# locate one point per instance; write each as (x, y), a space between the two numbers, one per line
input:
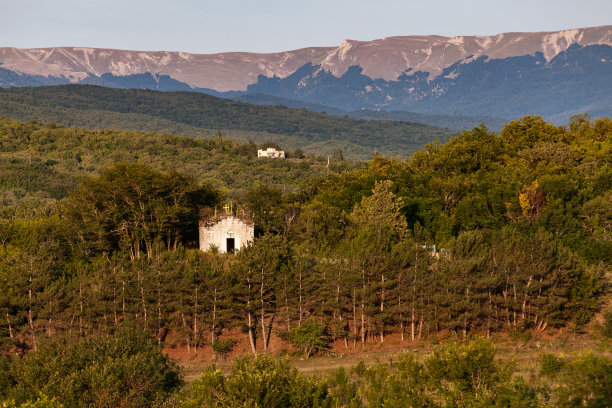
(80, 307)
(489, 315)
(8, 322)
(264, 330)
(525, 299)
(345, 329)
(542, 326)
(363, 331)
(270, 325)
(514, 301)
(263, 312)
(420, 328)
(123, 300)
(71, 322)
(414, 280)
(437, 317)
(250, 320)
(142, 297)
(507, 309)
(30, 318)
(251, 333)
(49, 322)
(115, 303)
(399, 306)
(159, 308)
(186, 330)
(413, 317)
(195, 323)
(149, 249)
(214, 318)
(382, 309)
(354, 319)
(287, 309)
(300, 300)
(340, 320)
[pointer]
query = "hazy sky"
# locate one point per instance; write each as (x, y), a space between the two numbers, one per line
(275, 25)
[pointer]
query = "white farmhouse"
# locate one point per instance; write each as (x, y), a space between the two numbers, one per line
(227, 233)
(271, 152)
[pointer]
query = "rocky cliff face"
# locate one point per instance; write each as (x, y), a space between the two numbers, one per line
(576, 80)
(221, 72)
(505, 75)
(387, 58)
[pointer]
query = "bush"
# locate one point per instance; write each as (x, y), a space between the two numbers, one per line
(345, 393)
(127, 369)
(470, 368)
(403, 384)
(7, 379)
(42, 402)
(222, 348)
(585, 382)
(517, 394)
(258, 381)
(550, 365)
(310, 338)
(453, 376)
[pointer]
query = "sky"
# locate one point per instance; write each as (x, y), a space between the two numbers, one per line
(206, 26)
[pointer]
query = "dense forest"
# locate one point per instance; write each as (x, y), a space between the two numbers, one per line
(41, 164)
(198, 115)
(490, 234)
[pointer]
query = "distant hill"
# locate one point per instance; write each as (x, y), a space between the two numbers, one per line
(196, 114)
(269, 100)
(453, 122)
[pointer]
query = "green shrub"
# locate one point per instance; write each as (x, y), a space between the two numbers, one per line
(345, 393)
(310, 338)
(258, 381)
(469, 368)
(7, 379)
(585, 382)
(127, 369)
(550, 365)
(403, 384)
(517, 394)
(41, 402)
(222, 348)
(453, 376)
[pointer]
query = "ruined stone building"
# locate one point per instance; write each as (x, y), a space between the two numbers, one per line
(227, 233)
(271, 152)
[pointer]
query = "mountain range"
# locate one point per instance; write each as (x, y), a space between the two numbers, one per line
(554, 74)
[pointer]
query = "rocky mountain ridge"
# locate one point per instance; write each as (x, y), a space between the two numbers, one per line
(553, 74)
(387, 58)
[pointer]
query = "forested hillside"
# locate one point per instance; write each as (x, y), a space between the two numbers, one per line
(40, 164)
(194, 114)
(489, 234)
(453, 122)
